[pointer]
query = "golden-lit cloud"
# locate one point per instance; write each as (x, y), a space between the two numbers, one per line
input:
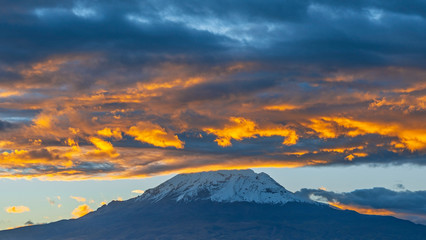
(43, 121)
(22, 158)
(154, 134)
(6, 144)
(331, 127)
(170, 84)
(324, 128)
(17, 209)
(405, 103)
(180, 113)
(103, 147)
(81, 210)
(73, 144)
(5, 94)
(240, 128)
(351, 156)
(363, 210)
(342, 150)
(281, 107)
(114, 133)
(78, 199)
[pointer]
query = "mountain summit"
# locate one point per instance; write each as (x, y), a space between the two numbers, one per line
(237, 204)
(222, 186)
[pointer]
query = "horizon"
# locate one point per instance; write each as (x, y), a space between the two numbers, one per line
(101, 100)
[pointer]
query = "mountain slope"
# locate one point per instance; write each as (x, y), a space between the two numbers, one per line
(197, 206)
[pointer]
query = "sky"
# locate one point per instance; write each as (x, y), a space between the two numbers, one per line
(102, 98)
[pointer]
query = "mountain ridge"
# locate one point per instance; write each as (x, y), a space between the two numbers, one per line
(196, 206)
(222, 186)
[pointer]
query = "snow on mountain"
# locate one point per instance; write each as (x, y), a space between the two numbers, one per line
(222, 186)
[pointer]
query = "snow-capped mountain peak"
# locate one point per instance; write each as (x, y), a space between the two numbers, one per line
(222, 186)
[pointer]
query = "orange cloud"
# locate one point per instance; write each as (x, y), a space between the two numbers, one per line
(5, 94)
(78, 199)
(6, 144)
(281, 107)
(241, 128)
(43, 121)
(331, 127)
(406, 103)
(17, 209)
(50, 65)
(103, 147)
(114, 133)
(69, 119)
(22, 158)
(154, 134)
(363, 210)
(324, 128)
(351, 156)
(81, 211)
(171, 84)
(342, 150)
(73, 144)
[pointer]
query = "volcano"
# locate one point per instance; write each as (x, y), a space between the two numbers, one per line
(227, 204)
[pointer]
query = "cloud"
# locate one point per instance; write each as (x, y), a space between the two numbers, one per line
(155, 135)
(107, 132)
(78, 199)
(17, 209)
(176, 89)
(241, 128)
(5, 125)
(81, 211)
(103, 148)
(378, 201)
(410, 138)
(137, 191)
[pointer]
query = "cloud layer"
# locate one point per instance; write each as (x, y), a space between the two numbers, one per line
(406, 204)
(170, 87)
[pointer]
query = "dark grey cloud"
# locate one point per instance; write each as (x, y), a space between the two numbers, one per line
(406, 204)
(5, 125)
(350, 33)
